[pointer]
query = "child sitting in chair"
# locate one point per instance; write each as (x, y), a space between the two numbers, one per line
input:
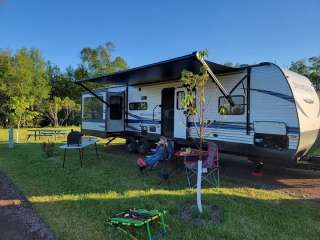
(155, 157)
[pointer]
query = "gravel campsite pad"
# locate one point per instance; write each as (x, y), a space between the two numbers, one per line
(18, 221)
(303, 184)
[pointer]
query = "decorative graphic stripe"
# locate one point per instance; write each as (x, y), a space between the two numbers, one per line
(282, 96)
(222, 125)
(133, 128)
(241, 126)
(138, 117)
(133, 115)
(146, 121)
(275, 94)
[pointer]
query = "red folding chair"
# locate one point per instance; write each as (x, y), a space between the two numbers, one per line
(210, 167)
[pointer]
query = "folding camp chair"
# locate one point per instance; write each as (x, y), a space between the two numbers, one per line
(167, 156)
(210, 167)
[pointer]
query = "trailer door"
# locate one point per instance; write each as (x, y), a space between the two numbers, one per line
(180, 120)
(115, 119)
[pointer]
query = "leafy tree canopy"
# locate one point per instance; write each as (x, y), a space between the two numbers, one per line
(99, 60)
(23, 83)
(309, 68)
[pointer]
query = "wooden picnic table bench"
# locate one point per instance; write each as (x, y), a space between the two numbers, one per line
(44, 133)
(84, 143)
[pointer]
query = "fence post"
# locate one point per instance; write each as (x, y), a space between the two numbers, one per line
(11, 137)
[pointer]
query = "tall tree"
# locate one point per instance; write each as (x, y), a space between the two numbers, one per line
(25, 85)
(69, 107)
(62, 82)
(300, 66)
(5, 64)
(315, 71)
(99, 60)
(52, 108)
(27, 81)
(58, 110)
(310, 69)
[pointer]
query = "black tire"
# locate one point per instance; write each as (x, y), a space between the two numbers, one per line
(144, 147)
(130, 139)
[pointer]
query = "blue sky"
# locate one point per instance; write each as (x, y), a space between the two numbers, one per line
(143, 32)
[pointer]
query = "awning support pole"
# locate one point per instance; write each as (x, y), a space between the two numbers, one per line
(235, 86)
(93, 93)
(215, 80)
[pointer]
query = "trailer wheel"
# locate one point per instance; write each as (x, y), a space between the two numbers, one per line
(144, 147)
(132, 145)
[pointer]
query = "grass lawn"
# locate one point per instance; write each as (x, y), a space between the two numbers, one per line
(76, 201)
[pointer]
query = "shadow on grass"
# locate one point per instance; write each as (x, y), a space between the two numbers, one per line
(116, 170)
(242, 218)
(77, 201)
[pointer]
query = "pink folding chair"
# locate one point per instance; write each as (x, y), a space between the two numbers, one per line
(210, 167)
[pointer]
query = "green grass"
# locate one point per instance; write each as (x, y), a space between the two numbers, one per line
(76, 201)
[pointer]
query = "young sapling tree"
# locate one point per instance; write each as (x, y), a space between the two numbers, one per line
(194, 105)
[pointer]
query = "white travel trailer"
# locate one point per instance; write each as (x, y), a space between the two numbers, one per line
(260, 111)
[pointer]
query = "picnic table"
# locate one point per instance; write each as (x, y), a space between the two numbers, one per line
(84, 143)
(45, 132)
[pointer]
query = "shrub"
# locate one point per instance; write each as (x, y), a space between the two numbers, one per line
(48, 149)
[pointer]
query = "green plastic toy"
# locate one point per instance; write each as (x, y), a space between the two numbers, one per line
(140, 218)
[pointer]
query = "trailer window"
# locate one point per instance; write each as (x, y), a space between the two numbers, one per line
(226, 109)
(92, 109)
(180, 97)
(138, 106)
(115, 107)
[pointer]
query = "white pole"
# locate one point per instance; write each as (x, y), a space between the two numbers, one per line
(17, 137)
(199, 186)
(11, 138)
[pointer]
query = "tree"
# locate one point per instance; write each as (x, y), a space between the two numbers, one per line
(69, 107)
(27, 81)
(5, 64)
(230, 64)
(58, 110)
(195, 108)
(300, 66)
(315, 71)
(25, 85)
(310, 69)
(62, 84)
(99, 60)
(52, 109)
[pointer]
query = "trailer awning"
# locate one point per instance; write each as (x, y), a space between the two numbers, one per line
(159, 72)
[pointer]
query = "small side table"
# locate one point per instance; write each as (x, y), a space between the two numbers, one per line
(85, 143)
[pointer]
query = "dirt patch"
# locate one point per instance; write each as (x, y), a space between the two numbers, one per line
(211, 215)
(18, 221)
(304, 184)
